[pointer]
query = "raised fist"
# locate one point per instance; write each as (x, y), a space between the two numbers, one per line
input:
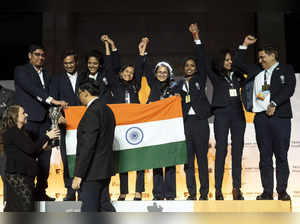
(104, 38)
(249, 40)
(193, 28)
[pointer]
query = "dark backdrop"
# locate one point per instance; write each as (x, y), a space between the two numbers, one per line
(79, 24)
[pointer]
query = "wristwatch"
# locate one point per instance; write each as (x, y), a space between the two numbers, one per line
(272, 104)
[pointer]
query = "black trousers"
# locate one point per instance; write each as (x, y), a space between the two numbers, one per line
(95, 196)
(233, 119)
(20, 190)
(164, 186)
(273, 138)
(139, 183)
(197, 136)
(35, 131)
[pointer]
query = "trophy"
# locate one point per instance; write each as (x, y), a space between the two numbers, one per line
(54, 114)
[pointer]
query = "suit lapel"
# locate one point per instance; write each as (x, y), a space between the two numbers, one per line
(274, 74)
(68, 82)
(35, 75)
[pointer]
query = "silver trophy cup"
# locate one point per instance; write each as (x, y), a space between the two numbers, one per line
(54, 114)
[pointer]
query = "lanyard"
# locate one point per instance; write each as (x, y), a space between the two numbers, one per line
(230, 82)
(265, 78)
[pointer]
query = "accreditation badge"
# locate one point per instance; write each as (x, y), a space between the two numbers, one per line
(265, 87)
(232, 92)
(188, 98)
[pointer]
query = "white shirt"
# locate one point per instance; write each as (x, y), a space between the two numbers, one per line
(40, 73)
(186, 88)
(89, 103)
(73, 79)
(41, 76)
(93, 76)
(262, 105)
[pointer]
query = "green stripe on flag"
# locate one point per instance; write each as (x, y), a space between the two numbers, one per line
(71, 164)
(150, 157)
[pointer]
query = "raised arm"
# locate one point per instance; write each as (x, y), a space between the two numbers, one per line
(239, 58)
(110, 72)
(140, 61)
(201, 58)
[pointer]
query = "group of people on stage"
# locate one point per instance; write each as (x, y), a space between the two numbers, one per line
(263, 88)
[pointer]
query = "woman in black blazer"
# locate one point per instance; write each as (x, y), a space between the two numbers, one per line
(229, 116)
(162, 84)
(21, 167)
(196, 111)
(123, 87)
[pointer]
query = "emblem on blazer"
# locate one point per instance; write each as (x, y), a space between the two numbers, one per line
(282, 79)
(134, 135)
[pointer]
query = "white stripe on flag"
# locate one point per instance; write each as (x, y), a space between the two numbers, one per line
(71, 142)
(148, 134)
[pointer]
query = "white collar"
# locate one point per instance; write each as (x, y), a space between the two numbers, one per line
(91, 101)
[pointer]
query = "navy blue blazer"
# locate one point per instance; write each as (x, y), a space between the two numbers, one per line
(61, 89)
(282, 86)
(30, 93)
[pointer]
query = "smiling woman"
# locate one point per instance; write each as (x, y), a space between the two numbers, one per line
(21, 166)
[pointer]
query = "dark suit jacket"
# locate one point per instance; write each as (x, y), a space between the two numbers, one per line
(21, 152)
(61, 89)
(198, 101)
(117, 86)
(30, 92)
(221, 86)
(95, 134)
(282, 86)
(197, 85)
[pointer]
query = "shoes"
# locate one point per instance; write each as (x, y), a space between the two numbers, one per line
(122, 197)
(219, 196)
(138, 196)
(71, 196)
(158, 199)
(191, 198)
(284, 196)
(203, 197)
(43, 197)
(265, 196)
(237, 194)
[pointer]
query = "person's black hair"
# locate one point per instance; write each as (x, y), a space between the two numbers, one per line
(69, 52)
(33, 47)
(217, 62)
(123, 68)
(187, 59)
(269, 49)
(92, 86)
(98, 55)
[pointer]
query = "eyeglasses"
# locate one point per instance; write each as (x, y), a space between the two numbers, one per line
(162, 72)
(39, 54)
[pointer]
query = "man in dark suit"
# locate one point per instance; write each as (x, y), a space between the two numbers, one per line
(267, 93)
(65, 87)
(32, 86)
(94, 155)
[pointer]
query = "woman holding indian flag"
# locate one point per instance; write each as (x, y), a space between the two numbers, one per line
(124, 88)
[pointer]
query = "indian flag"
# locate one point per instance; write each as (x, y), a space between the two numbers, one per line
(146, 136)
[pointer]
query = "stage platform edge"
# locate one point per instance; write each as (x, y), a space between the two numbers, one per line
(247, 206)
